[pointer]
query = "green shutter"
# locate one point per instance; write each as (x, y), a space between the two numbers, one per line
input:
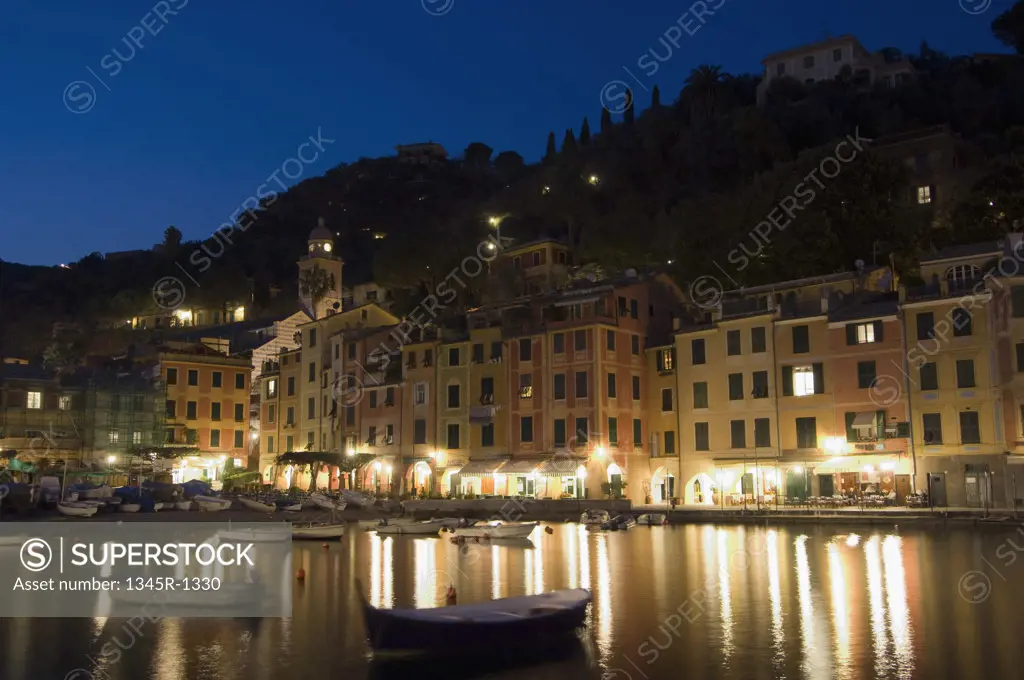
(787, 381)
(851, 434)
(851, 334)
(819, 378)
(878, 331)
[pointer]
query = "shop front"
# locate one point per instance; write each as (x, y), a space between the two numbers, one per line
(377, 475)
(523, 477)
(482, 478)
(562, 478)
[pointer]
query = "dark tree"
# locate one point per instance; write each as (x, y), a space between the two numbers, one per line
(569, 142)
(629, 115)
(585, 132)
(1009, 27)
(552, 151)
(655, 98)
(478, 155)
(606, 121)
(509, 165)
(172, 238)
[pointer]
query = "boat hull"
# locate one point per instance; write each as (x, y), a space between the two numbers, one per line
(77, 510)
(256, 506)
(499, 531)
(130, 507)
(211, 504)
(655, 520)
(323, 533)
(429, 528)
(598, 517)
(523, 622)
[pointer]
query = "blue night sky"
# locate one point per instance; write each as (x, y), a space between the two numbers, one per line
(206, 109)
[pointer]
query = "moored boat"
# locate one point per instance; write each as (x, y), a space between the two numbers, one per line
(518, 621)
(497, 530)
(288, 505)
(594, 517)
(427, 528)
(318, 533)
(130, 507)
(77, 509)
(183, 505)
(356, 499)
(619, 523)
(653, 519)
(321, 501)
(372, 524)
(211, 503)
(269, 535)
(255, 505)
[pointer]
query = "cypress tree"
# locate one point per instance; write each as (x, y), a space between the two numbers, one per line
(628, 115)
(569, 142)
(655, 98)
(585, 132)
(606, 121)
(552, 150)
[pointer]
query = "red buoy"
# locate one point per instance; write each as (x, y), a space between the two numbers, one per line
(300, 575)
(325, 546)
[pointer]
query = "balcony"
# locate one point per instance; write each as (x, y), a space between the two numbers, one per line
(482, 415)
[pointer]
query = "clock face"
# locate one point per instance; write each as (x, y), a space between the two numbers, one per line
(327, 247)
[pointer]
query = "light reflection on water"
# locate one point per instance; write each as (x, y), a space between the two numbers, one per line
(764, 603)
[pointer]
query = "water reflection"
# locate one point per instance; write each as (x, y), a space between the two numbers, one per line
(840, 615)
(896, 598)
(725, 592)
(495, 573)
(381, 571)
(775, 598)
(873, 562)
(426, 586)
(603, 598)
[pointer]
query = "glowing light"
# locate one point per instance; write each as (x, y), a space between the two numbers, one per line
(594, 179)
(888, 466)
(546, 190)
(490, 245)
(350, 452)
(240, 314)
(376, 466)
(614, 469)
(599, 452)
(853, 540)
(222, 458)
(869, 468)
(581, 472)
(255, 435)
(834, 444)
(494, 221)
(387, 470)
(840, 616)
(111, 459)
(798, 469)
(183, 314)
(327, 247)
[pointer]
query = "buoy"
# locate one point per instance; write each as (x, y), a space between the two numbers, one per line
(548, 530)
(325, 546)
(450, 595)
(300, 575)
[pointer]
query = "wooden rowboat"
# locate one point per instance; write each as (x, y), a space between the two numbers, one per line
(324, 532)
(497, 530)
(523, 622)
(429, 528)
(77, 509)
(251, 504)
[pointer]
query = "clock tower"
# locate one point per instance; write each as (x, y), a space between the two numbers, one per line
(320, 255)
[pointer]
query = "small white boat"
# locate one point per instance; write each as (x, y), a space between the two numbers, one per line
(373, 524)
(318, 533)
(158, 506)
(594, 517)
(255, 505)
(497, 530)
(270, 535)
(77, 509)
(654, 519)
(321, 501)
(97, 493)
(183, 505)
(356, 499)
(429, 528)
(130, 507)
(211, 503)
(294, 507)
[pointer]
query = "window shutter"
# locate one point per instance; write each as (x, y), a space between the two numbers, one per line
(851, 435)
(819, 378)
(787, 381)
(851, 334)
(878, 331)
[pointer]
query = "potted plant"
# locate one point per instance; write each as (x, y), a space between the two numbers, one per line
(674, 502)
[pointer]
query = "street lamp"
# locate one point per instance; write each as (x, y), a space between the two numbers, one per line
(495, 221)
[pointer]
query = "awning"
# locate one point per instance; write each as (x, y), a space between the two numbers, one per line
(560, 467)
(1015, 459)
(522, 467)
(864, 419)
(479, 468)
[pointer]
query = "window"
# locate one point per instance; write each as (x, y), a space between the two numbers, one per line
(963, 273)
(925, 325)
(1017, 301)
(526, 429)
(215, 438)
(924, 195)
(809, 62)
(419, 428)
(526, 349)
(611, 386)
(312, 371)
(289, 418)
(526, 386)
(419, 394)
(34, 400)
(697, 352)
(428, 358)
(701, 438)
(735, 386)
(837, 55)
(389, 396)
(171, 408)
(311, 407)
(114, 436)
(478, 353)
(801, 381)
(581, 385)
(190, 410)
(309, 441)
(559, 432)
(865, 374)
(1020, 356)
(638, 438)
(172, 376)
(453, 435)
(373, 399)
(350, 415)
(760, 388)
(582, 430)
(453, 356)
(732, 343)
(929, 376)
(636, 388)
(931, 425)
(757, 340)
(970, 433)
(239, 439)
(611, 341)
(239, 381)
(312, 337)
(670, 442)
(666, 360)
(780, 69)
(634, 345)
(801, 340)
(559, 343)
(559, 386)
(496, 351)
(806, 433)
(270, 444)
(580, 341)
(193, 377)
(634, 312)
(371, 438)
(666, 399)
(291, 386)
(961, 323)
(863, 333)
(738, 434)
(965, 373)
(218, 379)
(453, 397)
(762, 433)
(215, 412)
(487, 434)
(700, 395)
(239, 413)
(622, 306)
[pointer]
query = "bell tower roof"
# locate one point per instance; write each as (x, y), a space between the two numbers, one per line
(321, 232)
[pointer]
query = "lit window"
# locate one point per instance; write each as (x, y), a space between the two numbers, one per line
(115, 436)
(272, 387)
(924, 195)
(865, 333)
(803, 381)
(136, 437)
(35, 400)
(64, 403)
(963, 272)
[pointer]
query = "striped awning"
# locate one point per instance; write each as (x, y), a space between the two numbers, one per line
(522, 467)
(479, 468)
(560, 467)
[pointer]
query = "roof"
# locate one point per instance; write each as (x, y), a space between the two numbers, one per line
(531, 244)
(911, 136)
(800, 283)
(968, 250)
(821, 45)
(887, 306)
(321, 232)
